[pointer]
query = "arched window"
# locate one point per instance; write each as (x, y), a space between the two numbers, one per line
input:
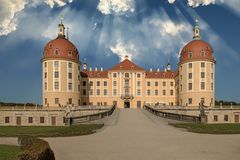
(190, 54)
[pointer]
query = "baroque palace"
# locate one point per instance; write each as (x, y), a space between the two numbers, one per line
(66, 82)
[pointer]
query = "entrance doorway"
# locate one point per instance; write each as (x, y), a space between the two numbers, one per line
(126, 104)
(18, 121)
(53, 121)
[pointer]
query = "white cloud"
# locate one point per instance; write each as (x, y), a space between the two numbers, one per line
(116, 7)
(10, 9)
(171, 1)
(8, 13)
(122, 49)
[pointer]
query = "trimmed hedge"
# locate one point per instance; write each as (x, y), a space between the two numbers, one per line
(34, 149)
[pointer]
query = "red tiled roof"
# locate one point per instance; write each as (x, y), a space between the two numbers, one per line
(200, 51)
(156, 74)
(94, 74)
(127, 65)
(64, 47)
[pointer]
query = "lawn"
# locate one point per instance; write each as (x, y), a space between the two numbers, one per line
(209, 128)
(49, 131)
(9, 152)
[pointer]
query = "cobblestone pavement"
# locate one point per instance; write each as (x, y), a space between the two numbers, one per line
(135, 134)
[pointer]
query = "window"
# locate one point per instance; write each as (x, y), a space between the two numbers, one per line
(115, 83)
(70, 75)
(202, 64)
(126, 75)
(190, 86)
(56, 85)
(56, 63)
(156, 84)
(225, 118)
(181, 77)
(202, 85)
(189, 100)
(56, 100)
(105, 92)
(70, 53)
(56, 52)
(126, 82)
(190, 54)
(114, 75)
(56, 74)
(212, 66)
(148, 83)
(7, 119)
(215, 118)
(138, 75)
(164, 83)
(127, 91)
(202, 74)
(148, 92)
(98, 92)
(156, 92)
(189, 75)
(45, 64)
(171, 92)
(69, 65)
(69, 86)
(98, 83)
(164, 92)
(91, 83)
(171, 84)
(138, 92)
(189, 65)
(212, 86)
(138, 83)
(84, 83)
(70, 100)
(91, 92)
(84, 92)
(105, 83)
(45, 86)
(79, 87)
(30, 119)
(41, 119)
(45, 101)
(181, 87)
(202, 53)
(212, 76)
(45, 75)
(115, 92)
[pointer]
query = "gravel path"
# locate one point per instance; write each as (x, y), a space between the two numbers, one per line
(135, 134)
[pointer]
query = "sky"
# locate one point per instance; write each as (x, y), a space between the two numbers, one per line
(150, 32)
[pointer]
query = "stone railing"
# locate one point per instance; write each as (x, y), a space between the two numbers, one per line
(90, 117)
(170, 115)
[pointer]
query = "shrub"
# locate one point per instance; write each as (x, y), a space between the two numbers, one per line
(34, 149)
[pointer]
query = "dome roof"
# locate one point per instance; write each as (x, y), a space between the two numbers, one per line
(61, 48)
(197, 50)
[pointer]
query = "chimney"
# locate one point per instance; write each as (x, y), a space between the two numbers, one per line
(90, 69)
(101, 69)
(158, 70)
(150, 69)
(95, 68)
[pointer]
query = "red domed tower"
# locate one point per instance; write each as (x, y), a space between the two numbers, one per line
(60, 72)
(197, 72)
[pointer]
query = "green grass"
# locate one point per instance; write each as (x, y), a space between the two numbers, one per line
(9, 152)
(49, 131)
(209, 128)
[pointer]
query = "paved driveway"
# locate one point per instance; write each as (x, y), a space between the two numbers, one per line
(135, 134)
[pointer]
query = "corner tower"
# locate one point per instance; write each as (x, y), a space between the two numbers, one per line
(197, 72)
(60, 72)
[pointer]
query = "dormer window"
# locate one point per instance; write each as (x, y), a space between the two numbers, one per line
(56, 52)
(190, 54)
(202, 53)
(70, 53)
(50, 45)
